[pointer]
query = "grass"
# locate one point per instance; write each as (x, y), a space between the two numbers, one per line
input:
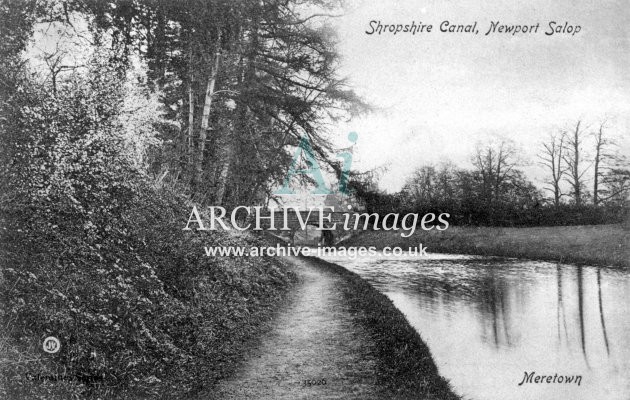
(604, 245)
(406, 369)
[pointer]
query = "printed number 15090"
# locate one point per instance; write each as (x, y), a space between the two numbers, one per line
(313, 382)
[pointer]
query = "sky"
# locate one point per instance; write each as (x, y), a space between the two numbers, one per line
(437, 94)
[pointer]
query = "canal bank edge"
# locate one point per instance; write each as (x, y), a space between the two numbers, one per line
(406, 369)
(598, 245)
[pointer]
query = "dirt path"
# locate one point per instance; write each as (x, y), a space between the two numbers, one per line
(315, 338)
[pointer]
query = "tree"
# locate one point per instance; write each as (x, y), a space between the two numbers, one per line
(616, 187)
(472, 196)
(495, 163)
(244, 80)
(608, 166)
(551, 159)
(420, 189)
(573, 157)
(446, 180)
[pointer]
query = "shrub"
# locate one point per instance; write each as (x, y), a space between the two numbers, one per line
(95, 256)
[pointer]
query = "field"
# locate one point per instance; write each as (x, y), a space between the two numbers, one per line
(606, 245)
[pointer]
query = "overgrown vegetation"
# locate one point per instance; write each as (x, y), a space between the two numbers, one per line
(135, 111)
(94, 254)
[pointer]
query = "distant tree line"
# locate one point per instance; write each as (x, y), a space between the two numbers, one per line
(496, 192)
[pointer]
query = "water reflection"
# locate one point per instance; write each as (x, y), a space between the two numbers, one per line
(601, 309)
(488, 320)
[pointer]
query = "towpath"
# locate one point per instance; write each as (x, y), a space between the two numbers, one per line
(314, 338)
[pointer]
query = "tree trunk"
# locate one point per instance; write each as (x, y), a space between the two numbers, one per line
(224, 173)
(598, 148)
(205, 117)
(558, 171)
(596, 178)
(191, 123)
(191, 114)
(573, 161)
(246, 75)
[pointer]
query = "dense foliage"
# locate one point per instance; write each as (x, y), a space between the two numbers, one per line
(243, 80)
(93, 250)
(95, 255)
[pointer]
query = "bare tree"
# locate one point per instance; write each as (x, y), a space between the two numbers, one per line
(495, 162)
(445, 180)
(60, 60)
(604, 161)
(574, 158)
(421, 186)
(551, 159)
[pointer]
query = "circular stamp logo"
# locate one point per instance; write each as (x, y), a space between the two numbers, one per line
(51, 345)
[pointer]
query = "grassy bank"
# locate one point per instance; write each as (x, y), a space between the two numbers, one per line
(406, 369)
(606, 245)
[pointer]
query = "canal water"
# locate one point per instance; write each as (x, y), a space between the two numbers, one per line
(489, 320)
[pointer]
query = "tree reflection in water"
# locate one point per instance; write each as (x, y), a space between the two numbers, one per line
(487, 320)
